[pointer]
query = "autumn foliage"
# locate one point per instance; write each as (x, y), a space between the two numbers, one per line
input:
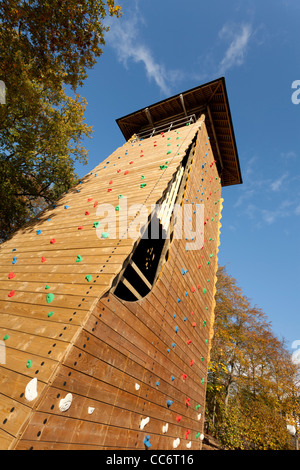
(252, 391)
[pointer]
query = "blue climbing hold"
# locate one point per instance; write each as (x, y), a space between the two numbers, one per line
(169, 403)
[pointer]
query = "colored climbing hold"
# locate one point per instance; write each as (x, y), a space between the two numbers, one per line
(43, 259)
(197, 407)
(169, 403)
(49, 298)
(178, 418)
(147, 441)
(50, 314)
(11, 275)
(29, 364)
(11, 294)
(89, 277)
(52, 241)
(5, 337)
(78, 259)
(104, 235)
(143, 185)
(96, 224)
(14, 260)
(47, 287)
(38, 232)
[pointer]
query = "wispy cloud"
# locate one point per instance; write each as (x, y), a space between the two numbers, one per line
(123, 36)
(239, 37)
(277, 184)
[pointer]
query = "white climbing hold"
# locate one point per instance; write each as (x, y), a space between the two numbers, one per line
(165, 428)
(31, 390)
(201, 437)
(65, 403)
(199, 416)
(189, 445)
(144, 422)
(91, 410)
(137, 386)
(176, 443)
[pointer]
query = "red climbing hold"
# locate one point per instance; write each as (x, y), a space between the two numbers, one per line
(193, 289)
(43, 259)
(187, 402)
(187, 433)
(118, 171)
(52, 241)
(11, 294)
(189, 341)
(80, 227)
(109, 190)
(178, 418)
(192, 362)
(184, 376)
(130, 163)
(126, 172)
(111, 182)
(96, 203)
(86, 213)
(90, 199)
(11, 275)
(194, 324)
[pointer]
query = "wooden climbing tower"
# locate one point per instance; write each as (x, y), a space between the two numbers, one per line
(104, 331)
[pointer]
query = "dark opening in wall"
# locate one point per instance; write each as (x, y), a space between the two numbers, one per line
(150, 254)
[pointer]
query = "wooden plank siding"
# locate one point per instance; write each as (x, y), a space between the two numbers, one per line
(115, 356)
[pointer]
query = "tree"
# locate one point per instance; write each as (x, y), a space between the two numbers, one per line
(47, 47)
(252, 389)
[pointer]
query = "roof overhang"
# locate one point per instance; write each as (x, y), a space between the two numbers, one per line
(210, 99)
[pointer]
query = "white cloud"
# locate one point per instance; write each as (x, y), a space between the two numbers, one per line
(239, 38)
(277, 184)
(123, 36)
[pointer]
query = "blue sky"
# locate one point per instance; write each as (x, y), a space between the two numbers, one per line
(160, 48)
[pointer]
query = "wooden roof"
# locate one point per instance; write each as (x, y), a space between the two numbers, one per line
(54, 271)
(210, 99)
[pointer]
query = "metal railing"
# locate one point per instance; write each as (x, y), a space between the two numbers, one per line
(186, 120)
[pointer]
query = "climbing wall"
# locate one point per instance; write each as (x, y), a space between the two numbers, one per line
(83, 369)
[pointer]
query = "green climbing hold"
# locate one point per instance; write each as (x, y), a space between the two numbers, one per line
(197, 435)
(96, 224)
(142, 177)
(50, 314)
(104, 235)
(120, 196)
(204, 290)
(5, 337)
(162, 167)
(143, 185)
(168, 153)
(117, 208)
(88, 277)
(50, 298)
(29, 364)
(47, 287)
(197, 407)
(202, 381)
(78, 259)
